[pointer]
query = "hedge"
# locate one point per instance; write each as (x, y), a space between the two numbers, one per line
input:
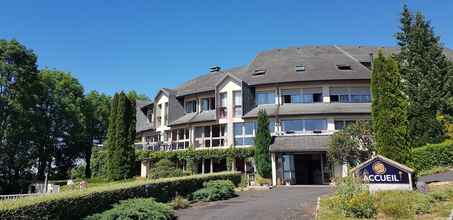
(78, 204)
(432, 155)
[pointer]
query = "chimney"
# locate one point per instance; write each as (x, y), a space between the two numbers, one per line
(214, 69)
(371, 60)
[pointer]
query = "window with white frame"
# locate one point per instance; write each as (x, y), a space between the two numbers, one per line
(306, 95)
(166, 113)
(223, 105)
(265, 97)
(180, 137)
(191, 106)
(210, 136)
(159, 115)
(237, 103)
(207, 104)
(244, 133)
(300, 126)
(354, 94)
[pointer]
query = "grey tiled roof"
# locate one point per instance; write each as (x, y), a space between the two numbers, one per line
(319, 61)
(204, 82)
(312, 109)
(142, 123)
(300, 143)
(204, 116)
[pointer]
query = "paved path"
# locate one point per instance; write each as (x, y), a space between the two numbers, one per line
(282, 203)
(439, 177)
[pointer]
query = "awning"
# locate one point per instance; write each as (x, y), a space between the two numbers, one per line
(300, 143)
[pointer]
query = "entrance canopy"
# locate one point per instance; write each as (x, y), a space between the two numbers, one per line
(300, 143)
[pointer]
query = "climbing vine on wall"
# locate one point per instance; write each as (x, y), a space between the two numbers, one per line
(195, 155)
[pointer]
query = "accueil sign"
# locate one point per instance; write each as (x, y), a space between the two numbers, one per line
(380, 170)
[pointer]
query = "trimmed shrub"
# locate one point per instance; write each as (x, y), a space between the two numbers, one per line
(143, 209)
(164, 169)
(432, 155)
(78, 204)
(215, 190)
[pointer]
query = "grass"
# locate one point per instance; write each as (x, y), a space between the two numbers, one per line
(434, 170)
(440, 209)
(101, 187)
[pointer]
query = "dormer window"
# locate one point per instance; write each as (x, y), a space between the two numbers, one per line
(344, 67)
(259, 72)
(300, 68)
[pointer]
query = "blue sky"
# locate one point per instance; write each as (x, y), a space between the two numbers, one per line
(145, 45)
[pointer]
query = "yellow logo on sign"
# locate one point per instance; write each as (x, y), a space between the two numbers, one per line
(379, 168)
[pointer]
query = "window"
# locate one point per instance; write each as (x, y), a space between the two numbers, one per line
(159, 115)
(312, 95)
(180, 138)
(150, 115)
(355, 94)
(292, 126)
(291, 96)
(308, 95)
(344, 67)
(259, 72)
(166, 113)
(191, 106)
(207, 104)
(210, 136)
(300, 68)
(223, 105)
(244, 133)
(360, 95)
(341, 124)
(265, 97)
(237, 103)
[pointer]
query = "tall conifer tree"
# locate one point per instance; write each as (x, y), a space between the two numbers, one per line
(262, 142)
(120, 138)
(425, 73)
(389, 109)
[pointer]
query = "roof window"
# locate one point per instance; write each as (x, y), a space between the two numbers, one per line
(344, 67)
(259, 72)
(300, 68)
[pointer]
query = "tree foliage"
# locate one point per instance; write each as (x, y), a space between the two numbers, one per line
(389, 108)
(61, 116)
(426, 75)
(120, 138)
(96, 110)
(353, 144)
(262, 143)
(18, 98)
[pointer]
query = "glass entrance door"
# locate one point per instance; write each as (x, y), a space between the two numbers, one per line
(289, 172)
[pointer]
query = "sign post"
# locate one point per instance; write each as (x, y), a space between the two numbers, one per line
(381, 173)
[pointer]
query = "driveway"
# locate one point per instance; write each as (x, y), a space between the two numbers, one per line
(298, 202)
(439, 177)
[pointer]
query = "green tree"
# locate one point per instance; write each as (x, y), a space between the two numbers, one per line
(60, 123)
(18, 98)
(96, 110)
(262, 142)
(389, 109)
(120, 138)
(352, 145)
(133, 96)
(426, 75)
